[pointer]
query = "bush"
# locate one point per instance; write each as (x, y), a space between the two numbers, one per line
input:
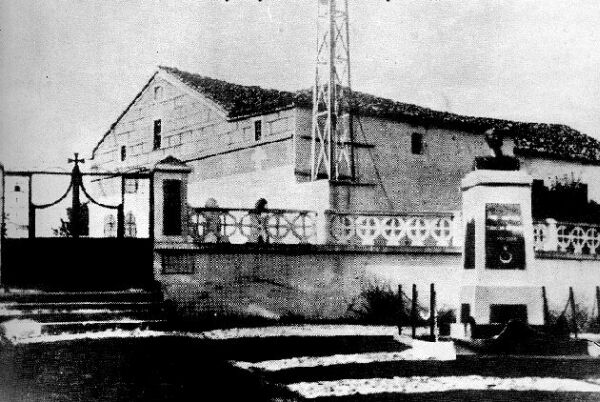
(586, 322)
(379, 304)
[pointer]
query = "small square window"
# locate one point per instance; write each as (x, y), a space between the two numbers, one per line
(257, 130)
(416, 143)
(157, 133)
(123, 152)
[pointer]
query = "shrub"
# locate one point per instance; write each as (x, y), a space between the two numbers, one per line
(379, 304)
(586, 322)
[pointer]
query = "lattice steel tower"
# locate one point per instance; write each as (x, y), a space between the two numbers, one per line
(331, 148)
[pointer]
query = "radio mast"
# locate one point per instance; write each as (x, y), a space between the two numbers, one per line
(331, 147)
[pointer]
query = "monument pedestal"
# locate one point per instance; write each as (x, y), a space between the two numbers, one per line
(497, 280)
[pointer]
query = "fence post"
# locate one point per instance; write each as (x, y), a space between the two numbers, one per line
(546, 311)
(598, 303)
(2, 223)
(31, 207)
(401, 308)
(573, 310)
(413, 310)
(432, 313)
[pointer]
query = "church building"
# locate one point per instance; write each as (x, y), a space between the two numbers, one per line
(245, 142)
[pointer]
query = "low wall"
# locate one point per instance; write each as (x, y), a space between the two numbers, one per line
(324, 281)
(311, 281)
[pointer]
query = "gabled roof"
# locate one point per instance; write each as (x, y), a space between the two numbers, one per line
(555, 141)
(533, 139)
(238, 100)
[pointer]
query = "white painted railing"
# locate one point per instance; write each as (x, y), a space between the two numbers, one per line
(567, 237)
(277, 226)
(281, 226)
(393, 229)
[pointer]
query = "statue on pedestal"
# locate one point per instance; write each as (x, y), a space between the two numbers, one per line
(498, 161)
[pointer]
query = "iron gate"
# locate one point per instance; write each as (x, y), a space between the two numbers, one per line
(98, 245)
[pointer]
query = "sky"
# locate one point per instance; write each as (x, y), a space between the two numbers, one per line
(69, 68)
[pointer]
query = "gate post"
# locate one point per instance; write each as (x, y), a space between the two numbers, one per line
(169, 207)
(2, 223)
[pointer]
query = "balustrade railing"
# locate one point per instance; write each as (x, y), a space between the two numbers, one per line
(567, 237)
(278, 226)
(391, 229)
(283, 226)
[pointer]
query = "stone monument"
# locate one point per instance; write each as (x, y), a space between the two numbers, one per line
(497, 280)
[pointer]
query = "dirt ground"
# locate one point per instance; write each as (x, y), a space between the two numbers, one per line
(179, 369)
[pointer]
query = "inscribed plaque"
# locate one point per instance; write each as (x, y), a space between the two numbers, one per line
(504, 242)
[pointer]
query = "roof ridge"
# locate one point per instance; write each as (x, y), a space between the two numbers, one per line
(532, 138)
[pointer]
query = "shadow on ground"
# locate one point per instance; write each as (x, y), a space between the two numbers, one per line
(123, 370)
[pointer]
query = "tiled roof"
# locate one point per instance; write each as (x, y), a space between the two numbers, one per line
(237, 100)
(533, 139)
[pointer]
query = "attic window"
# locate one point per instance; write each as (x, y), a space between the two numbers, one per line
(257, 130)
(416, 143)
(158, 93)
(157, 133)
(123, 152)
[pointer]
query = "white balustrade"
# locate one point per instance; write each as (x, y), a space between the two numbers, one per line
(374, 229)
(278, 226)
(211, 225)
(566, 237)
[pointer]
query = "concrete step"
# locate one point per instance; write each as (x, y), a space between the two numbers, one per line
(79, 315)
(59, 306)
(8, 309)
(74, 327)
(76, 312)
(35, 296)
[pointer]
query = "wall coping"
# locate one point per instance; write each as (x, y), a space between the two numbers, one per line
(295, 249)
(484, 177)
(304, 249)
(558, 255)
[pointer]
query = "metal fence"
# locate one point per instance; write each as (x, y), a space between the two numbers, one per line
(279, 226)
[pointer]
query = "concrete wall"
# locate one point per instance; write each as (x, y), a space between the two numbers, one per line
(311, 282)
(424, 182)
(317, 282)
(391, 176)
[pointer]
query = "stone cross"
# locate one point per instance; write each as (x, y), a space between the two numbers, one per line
(76, 160)
(76, 182)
